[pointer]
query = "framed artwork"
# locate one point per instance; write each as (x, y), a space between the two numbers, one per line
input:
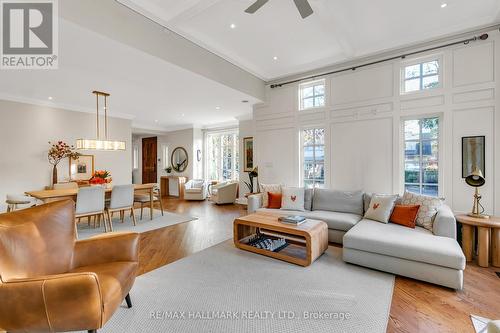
(473, 151)
(248, 154)
(81, 168)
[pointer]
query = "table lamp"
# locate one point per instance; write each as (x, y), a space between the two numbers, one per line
(476, 179)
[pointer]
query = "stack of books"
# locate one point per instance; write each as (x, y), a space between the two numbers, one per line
(292, 219)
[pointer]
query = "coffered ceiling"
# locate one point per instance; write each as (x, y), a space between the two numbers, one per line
(276, 42)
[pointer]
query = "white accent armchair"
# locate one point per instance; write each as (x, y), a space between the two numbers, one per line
(224, 193)
(196, 189)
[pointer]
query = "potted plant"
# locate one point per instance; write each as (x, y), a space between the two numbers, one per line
(251, 175)
(57, 152)
(102, 178)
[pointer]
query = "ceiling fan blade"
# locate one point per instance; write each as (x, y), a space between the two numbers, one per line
(304, 8)
(255, 6)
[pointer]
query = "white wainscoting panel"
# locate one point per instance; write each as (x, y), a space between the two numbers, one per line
(361, 155)
(473, 64)
(471, 122)
(277, 156)
(362, 84)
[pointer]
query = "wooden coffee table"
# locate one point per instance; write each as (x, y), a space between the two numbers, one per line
(307, 241)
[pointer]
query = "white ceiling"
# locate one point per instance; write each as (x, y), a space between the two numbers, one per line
(143, 88)
(339, 30)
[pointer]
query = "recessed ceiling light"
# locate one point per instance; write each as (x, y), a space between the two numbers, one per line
(275, 58)
(183, 114)
(444, 5)
(232, 26)
(156, 120)
(50, 98)
(217, 108)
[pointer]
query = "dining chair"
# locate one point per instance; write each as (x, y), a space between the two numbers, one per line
(143, 199)
(65, 186)
(122, 200)
(90, 202)
(14, 200)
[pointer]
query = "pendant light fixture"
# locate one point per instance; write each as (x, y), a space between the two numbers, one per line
(97, 143)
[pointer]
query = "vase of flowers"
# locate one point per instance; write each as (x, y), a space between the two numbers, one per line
(58, 151)
(101, 178)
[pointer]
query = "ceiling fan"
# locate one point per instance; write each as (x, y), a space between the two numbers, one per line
(302, 5)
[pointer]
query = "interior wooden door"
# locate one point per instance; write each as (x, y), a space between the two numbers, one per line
(149, 160)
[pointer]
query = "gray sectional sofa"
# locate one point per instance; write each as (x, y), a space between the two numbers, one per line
(418, 253)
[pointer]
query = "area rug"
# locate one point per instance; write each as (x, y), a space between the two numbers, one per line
(146, 224)
(224, 289)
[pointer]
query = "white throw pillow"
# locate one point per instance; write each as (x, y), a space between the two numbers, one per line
(292, 198)
(264, 188)
(381, 207)
(428, 208)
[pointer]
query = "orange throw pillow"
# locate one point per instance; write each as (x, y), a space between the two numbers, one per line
(405, 215)
(274, 200)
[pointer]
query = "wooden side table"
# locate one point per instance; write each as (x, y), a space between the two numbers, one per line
(487, 229)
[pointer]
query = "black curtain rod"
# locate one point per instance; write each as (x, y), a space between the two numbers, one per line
(464, 41)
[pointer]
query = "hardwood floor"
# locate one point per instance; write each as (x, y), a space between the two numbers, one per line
(416, 306)
(214, 225)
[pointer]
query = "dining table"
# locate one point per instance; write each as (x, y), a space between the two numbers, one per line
(63, 194)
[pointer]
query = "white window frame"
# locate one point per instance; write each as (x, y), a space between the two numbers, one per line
(235, 162)
(304, 85)
(441, 150)
(420, 61)
(301, 153)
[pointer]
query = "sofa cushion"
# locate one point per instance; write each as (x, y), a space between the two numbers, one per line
(398, 241)
(264, 188)
(193, 190)
(429, 207)
(381, 207)
(292, 198)
(274, 200)
(338, 201)
(308, 197)
(367, 198)
(334, 220)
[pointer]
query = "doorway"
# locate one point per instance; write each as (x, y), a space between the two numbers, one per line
(149, 160)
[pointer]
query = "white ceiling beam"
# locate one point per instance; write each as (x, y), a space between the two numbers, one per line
(116, 21)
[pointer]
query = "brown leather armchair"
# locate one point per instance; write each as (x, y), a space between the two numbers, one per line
(50, 282)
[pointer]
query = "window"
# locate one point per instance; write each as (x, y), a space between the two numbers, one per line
(313, 157)
(421, 172)
(420, 76)
(222, 162)
(312, 95)
(135, 158)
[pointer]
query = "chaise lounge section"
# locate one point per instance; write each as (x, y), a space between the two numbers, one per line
(431, 256)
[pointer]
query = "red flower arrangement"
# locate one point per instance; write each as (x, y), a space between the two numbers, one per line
(58, 151)
(100, 177)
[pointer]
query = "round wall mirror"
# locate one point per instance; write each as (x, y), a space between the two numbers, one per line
(179, 159)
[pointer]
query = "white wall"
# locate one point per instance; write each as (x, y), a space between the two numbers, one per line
(182, 138)
(25, 131)
(363, 118)
(246, 129)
